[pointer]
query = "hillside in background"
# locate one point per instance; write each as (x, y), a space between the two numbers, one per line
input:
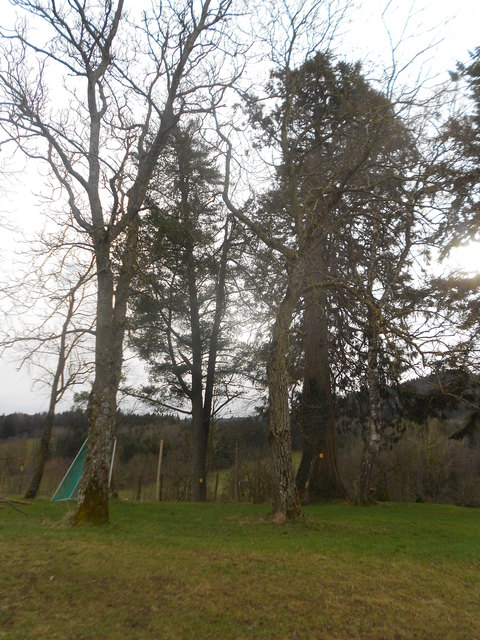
(431, 448)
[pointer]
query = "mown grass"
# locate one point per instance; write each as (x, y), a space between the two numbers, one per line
(175, 570)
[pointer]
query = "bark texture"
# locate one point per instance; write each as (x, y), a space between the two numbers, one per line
(102, 404)
(318, 476)
(285, 499)
(101, 409)
(93, 493)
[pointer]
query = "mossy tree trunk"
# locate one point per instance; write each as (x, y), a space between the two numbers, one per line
(102, 403)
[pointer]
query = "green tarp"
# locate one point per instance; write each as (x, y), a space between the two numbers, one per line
(68, 487)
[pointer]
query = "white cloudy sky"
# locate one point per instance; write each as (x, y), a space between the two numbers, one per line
(453, 24)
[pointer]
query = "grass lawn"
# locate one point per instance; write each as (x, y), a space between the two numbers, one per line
(176, 570)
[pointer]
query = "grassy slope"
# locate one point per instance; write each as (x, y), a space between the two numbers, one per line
(175, 570)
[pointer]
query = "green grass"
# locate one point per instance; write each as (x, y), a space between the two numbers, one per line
(175, 570)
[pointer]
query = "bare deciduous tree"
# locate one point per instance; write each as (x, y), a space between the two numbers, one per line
(124, 89)
(49, 325)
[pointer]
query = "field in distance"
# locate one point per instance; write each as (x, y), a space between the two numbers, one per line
(179, 570)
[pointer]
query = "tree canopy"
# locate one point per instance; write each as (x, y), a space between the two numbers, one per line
(195, 200)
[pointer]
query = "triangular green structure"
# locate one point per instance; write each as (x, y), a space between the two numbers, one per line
(68, 487)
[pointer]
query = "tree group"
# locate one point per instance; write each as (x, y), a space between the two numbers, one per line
(194, 198)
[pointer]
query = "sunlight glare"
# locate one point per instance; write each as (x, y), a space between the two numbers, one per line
(466, 258)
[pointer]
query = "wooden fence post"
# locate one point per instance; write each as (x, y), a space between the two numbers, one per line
(158, 493)
(235, 474)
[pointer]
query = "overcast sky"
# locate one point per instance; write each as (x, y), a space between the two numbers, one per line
(455, 24)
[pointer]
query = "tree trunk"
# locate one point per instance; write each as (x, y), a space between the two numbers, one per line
(42, 457)
(93, 492)
(210, 377)
(318, 477)
(200, 439)
(285, 498)
(200, 435)
(202, 399)
(373, 436)
(56, 392)
(102, 403)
